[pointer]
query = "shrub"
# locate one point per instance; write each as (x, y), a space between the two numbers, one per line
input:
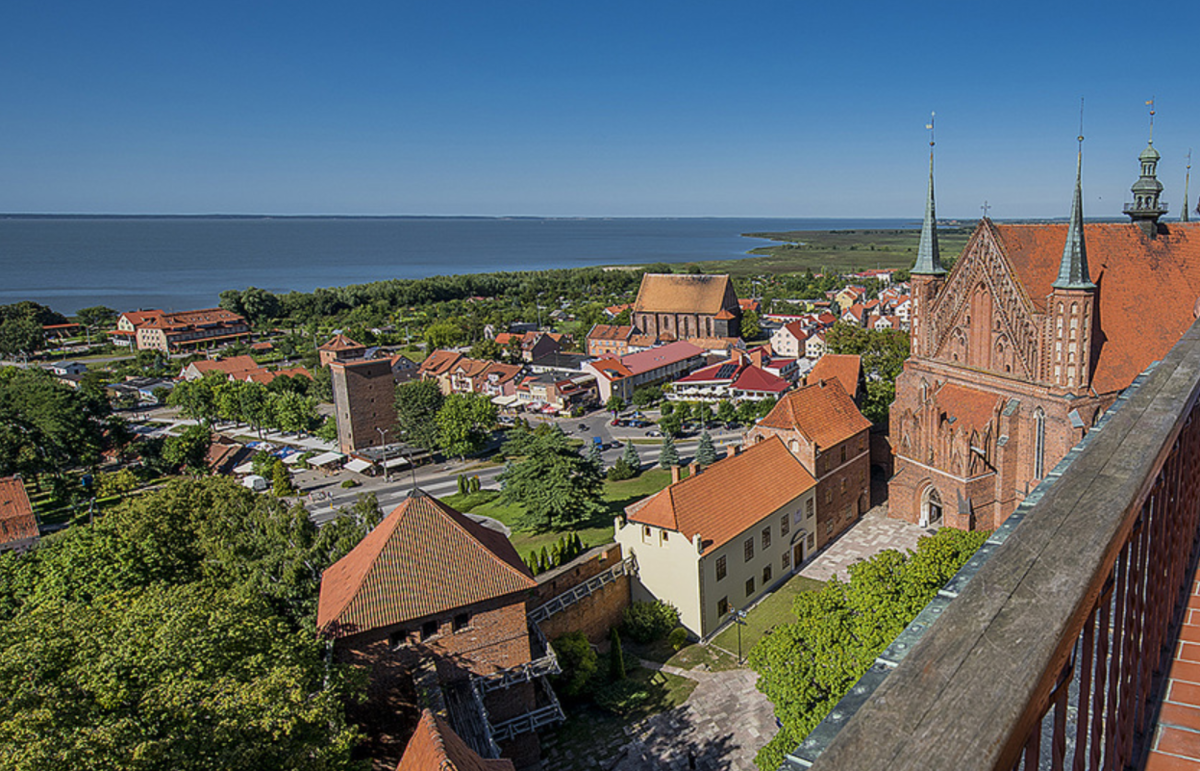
(621, 470)
(578, 663)
(351, 483)
(678, 638)
(622, 697)
(646, 622)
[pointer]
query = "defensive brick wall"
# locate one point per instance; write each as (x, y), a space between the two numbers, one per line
(593, 615)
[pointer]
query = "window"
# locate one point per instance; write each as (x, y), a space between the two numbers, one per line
(808, 508)
(396, 639)
(749, 586)
(429, 629)
(785, 561)
(843, 484)
(843, 453)
(766, 537)
(812, 541)
(720, 567)
(767, 575)
(646, 531)
(722, 606)
(748, 549)
(664, 535)
(1039, 443)
(783, 525)
(461, 621)
(828, 495)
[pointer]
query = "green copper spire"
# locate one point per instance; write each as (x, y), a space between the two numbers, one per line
(1073, 270)
(1183, 216)
(929, 259)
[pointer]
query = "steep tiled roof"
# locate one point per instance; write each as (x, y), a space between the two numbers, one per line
(610, 332)
(138, 318)
(17, 522)
(1130, 270)
(469, 367)
(424, 558)
(684, 293)
(502, 372)
(340, 342)
(610, 368)
(971, 410)
(842, 367)
(752, 378)
(435, 747)
(234, 365)
(438, 362)
(796, 330)
(728, 496)
(205, 316)
(822, 411)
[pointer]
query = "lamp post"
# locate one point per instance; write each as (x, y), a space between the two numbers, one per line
(739, 619)
(387, 477)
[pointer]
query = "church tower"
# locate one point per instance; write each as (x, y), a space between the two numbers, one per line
(1146, 208)
(928, 275)
(1072, 303)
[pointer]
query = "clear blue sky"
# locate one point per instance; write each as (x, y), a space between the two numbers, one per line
(788, 108)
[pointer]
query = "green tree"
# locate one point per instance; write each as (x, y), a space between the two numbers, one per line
(644, 396)
(631, 457)
(558, 488)
(751, 328)
(667, 409)
(703, 413)
(671, 424)
(46, 427)
(187, 451)
(417, 406)
(96, 318)
(198, 399)
(706, 454)
(594, 457)
(614, 404)
(465, 422)
(668, 456)
(726, 412)
(487, 350)
(281, 480)
(616, 657)
(578, 662)
(443, 334)
(805, 667)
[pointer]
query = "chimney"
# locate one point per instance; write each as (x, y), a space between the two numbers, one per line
(732, 450)
(693, 469)
(674, 473)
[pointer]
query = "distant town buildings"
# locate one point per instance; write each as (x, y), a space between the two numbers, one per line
(676, 306)
(18, 525)
(180, 330)
(621, 376)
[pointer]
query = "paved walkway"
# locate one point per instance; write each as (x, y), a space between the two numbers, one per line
(869, 536)
(1176, 743)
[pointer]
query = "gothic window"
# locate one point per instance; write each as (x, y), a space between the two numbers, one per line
(1039, 443)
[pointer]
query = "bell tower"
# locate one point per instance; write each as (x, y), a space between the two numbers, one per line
(1146, 207)
(927, 273)
(1072, 303)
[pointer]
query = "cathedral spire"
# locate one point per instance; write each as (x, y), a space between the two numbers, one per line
(1073, 270)
(1187, 178)
(929, 260)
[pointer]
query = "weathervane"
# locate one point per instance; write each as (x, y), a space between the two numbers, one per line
(929, 126)
(1150, 104)
(1080, 137)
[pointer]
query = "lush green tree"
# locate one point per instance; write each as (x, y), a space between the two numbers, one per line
(487, 350)
(465, 422)
(593, 455)
(578, 661)
(620, 471)
(806, 666)
(614, 404)
(292, 412)
(706, 454)
(444, 334)
(644, 396)
(97, 317)
(764, 406)
(558, 488)
(199, 400)
(281, 480)
(751, 328)
(417, 406)
(671, 424)
(667, 409)
(703, 413)
(747, 411)
(669, 456)
(616, 657)
(21, 326)
(631, 457)
(187, 451)
(46, 427)
(726, 412)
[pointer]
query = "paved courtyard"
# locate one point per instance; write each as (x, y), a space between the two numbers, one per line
(726, 719)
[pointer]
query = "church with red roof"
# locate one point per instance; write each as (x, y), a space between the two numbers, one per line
(1019, 350)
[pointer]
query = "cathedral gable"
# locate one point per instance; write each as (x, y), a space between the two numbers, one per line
(983, 317)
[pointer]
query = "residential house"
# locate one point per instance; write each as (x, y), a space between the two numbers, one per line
(235, 367)
(814, 346)
(553, 392)
(742, 376)
(789, 340)
(18, 525)
(608, 340)
(714, 542)
(436, 366)
(177, 330)
(429, 590)
(533, 345)
(821, 426)
(848, 296)
(500, 379)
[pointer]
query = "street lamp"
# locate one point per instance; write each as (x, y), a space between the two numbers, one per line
(383, 443)
(739, 620)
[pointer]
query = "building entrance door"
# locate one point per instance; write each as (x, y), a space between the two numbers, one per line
(798, 555)
(931, 509)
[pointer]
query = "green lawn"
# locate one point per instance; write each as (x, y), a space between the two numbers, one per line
(774, 610)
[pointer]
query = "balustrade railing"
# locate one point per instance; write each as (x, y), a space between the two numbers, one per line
(1052, 654)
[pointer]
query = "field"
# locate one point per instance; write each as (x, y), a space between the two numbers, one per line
(822, 251)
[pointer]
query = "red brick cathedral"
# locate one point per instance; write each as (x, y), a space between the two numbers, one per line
(1019, 349)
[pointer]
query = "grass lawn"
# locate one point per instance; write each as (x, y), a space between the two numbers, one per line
(688, 657)
(774, 610)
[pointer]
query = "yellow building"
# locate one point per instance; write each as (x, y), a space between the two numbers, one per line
(714, 542)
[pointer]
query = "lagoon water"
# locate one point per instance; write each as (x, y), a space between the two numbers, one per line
(185, 262)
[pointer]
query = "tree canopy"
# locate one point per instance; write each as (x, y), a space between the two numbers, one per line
(806, 666)
(465, 422)
(417, 405)
(559, 488)
(46, 427)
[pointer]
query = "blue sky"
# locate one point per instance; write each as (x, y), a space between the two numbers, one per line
(600, 109)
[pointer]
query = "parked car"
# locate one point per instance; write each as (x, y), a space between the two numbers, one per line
(654, 432)
(583, 427)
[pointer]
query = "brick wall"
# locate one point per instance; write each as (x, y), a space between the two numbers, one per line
(595, 614)
(364, 401)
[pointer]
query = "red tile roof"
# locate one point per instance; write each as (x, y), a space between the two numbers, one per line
(438, 362)
(610, 332)
(1147, 287)
(752, 378)
(729, 496)
(17, 522)
(435, 747)
(425, 558)
(822, 411)
(684, 293)
(662, 356)
(340, 342)
(234, 365)
(842, 367)
(971, 409)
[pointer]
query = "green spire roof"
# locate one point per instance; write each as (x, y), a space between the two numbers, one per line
(929, 259)
(1073, 270)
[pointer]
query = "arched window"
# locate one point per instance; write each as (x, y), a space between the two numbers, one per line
(1039, 443)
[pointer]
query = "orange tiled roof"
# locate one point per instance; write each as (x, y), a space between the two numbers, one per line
(822, 411)
(266, 376)
(503, 372)
(1130, 270)
(17, 522)
(234, 365)
(469, 367)
(971, 409)
(137, 318)
(684, 293)
(729, 496)
(642, 341)
(340, 342)
(435, 747)
(439, 362)
(183, 319)
(424, 558)
(842, 367)
(611, 368)
(610, 332)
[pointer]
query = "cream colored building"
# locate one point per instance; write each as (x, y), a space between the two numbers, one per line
(714, 542)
